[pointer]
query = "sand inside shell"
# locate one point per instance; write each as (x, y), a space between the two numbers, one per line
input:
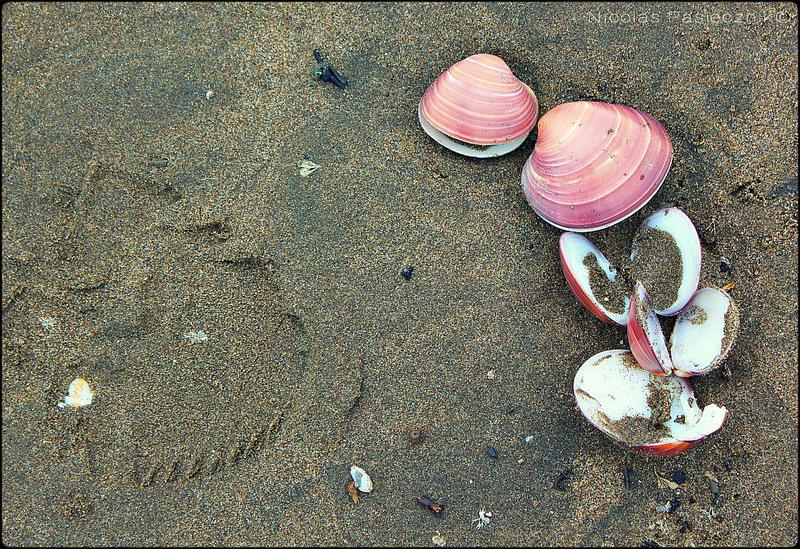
(658, 265)
(609, 294)
(637, 430)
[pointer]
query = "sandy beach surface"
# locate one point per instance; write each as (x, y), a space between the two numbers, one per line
(248, 333)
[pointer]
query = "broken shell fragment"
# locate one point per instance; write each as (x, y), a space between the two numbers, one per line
(361, 478)
(592, 279)
(479, 108)
(666, 257)
(654, 415)
(79, 394)
(645, 337)
(595, 164)
(704, 332)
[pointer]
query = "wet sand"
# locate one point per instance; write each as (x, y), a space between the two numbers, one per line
(138, 207)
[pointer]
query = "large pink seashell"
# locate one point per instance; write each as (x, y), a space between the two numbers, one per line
(611, 389)
(479, 108)
(595, 164)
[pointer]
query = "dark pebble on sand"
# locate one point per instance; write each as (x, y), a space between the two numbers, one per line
(408, 273)
(725, 266)
(491, 452)
(673, 505)
(684, 527)
(562, 481)
(678, 476)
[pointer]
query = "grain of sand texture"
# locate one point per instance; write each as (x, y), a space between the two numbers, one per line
(137, 208)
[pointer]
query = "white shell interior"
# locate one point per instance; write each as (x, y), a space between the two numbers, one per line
(676, 223)
(79, 394)
(361, 478)
(607, 388)
(575, 248)
(652, 329)
(699, 332)
(462, 148)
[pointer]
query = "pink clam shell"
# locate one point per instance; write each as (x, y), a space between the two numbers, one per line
(595, 164)
(608, 388)
(480, 101)
(704, 332)
(573, 249)
(645, 337)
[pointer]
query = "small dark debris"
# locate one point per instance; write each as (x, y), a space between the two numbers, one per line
(417, 435)
(725, 265)
(627, 473)
(728, 464)
(562, 482)
(692, 500)
(435, 508)
(678, 476)
(702, 43)
(491, 452)
(714, 485)
(327, 73)
(685, 527)
(673, 505)
(510, 410)
(650, 543)
(408, 273)
(158, 164)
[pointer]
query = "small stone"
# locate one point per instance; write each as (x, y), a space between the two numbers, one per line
(195, 337)
(490, 374)
(47, 322)
(407, 273)
(529, 439)
(678, 476)
(491, 452)
(438, 540)
(209, 93)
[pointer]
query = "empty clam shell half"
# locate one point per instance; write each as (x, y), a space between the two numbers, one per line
(645, 336)
(595, 164)
(479, 108)
(654, 415)
(361, 479)
(666, 257)
(593, 280)
(704, 332)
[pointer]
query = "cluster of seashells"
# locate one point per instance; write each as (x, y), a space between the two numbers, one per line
(595, 164)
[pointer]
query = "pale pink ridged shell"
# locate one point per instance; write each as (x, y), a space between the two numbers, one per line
(595, 164)
(480, 101)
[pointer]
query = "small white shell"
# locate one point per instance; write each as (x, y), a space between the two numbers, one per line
(361, 478)
(79, 394)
